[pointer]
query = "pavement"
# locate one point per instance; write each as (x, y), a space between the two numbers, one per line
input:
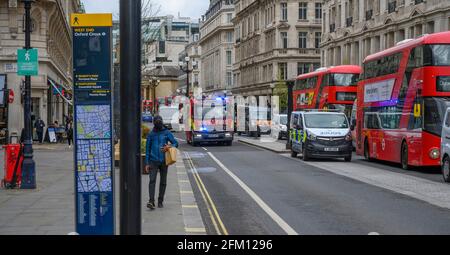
(265, 142)
(49, 210)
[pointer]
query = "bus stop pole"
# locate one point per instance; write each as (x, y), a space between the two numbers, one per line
(290, 103)
(130, 121)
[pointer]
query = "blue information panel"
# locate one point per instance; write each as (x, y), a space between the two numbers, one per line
(94, 169)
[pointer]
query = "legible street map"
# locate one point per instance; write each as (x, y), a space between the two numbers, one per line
(93, 122)
(94, 165)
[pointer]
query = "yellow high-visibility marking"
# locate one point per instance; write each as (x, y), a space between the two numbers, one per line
(91, 20)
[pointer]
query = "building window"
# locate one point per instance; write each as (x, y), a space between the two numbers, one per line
(318, 10)
(228, 57)
(284, 40)
(302, 11)
(316, 66)
(229, 79)
(162, 47)
(302, 40)
(229, 37)
(430, 27)
(318, 35)
(282, 71)
(229, 17)
(284, 12)
(196, 78)
(303, 68)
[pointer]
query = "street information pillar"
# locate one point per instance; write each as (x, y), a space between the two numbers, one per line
(94, 178)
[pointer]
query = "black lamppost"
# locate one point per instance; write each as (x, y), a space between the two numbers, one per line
(28, 165)
(184, 66)
(153, 85)
(130, 117)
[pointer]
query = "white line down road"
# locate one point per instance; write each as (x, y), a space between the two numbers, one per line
(288, 229)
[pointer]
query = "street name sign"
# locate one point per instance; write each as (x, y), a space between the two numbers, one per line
(27, 62)
(94, 175)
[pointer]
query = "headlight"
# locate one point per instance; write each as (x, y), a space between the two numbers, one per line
(227, 134)
(198, 135)
(311, 136)
(434, 153)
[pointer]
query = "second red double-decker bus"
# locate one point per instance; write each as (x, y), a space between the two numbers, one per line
(402, 98)
(327, 88)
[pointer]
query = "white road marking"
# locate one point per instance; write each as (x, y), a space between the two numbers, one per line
(434, 193)
(204, 148)
(373, 234)
(288, 229)
(180, 139)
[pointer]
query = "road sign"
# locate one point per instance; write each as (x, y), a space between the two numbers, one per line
(94, 176)
(27, 62)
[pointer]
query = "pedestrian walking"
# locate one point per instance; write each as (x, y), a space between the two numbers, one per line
(157, 144)
(39, 126)
(69, 132)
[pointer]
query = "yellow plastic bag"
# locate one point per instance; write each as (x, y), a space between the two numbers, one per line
(171, 156)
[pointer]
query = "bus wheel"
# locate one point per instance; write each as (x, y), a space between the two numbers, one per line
(404, 156)
(446, 169)
(366, 151)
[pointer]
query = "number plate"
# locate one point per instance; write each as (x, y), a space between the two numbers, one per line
(331, 149)
(213, 136)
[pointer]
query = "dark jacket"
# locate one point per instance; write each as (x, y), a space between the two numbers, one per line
(39, 125)
(155, 141)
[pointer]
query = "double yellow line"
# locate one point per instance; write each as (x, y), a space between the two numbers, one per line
(212, 210)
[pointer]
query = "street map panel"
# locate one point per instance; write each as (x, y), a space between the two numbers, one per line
(93, 122)
(94, 166)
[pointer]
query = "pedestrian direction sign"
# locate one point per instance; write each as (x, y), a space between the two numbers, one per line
(94, 176)
(27, 62)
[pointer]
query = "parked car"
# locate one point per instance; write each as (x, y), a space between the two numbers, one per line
(445, 147)
(147, 117)
(321, 135)
(279, 127)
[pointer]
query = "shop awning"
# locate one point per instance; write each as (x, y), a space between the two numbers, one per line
(59, 92)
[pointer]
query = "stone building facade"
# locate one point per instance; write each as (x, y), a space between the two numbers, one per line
(51, 35)
(276, 40)
(217, 46)
(354, 29)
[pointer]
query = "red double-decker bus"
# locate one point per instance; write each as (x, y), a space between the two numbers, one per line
(402, 98)
(327, 88)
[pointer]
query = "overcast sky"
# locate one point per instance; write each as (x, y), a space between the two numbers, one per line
(187, 8)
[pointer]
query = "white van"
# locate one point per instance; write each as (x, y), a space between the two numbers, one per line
(170, 116)
(320, 135)
(445, 147)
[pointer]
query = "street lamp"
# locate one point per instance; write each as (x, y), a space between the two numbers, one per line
(186, 69)
(153, 84)
(28, 165)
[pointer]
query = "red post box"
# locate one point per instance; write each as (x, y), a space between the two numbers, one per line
(12, 161)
